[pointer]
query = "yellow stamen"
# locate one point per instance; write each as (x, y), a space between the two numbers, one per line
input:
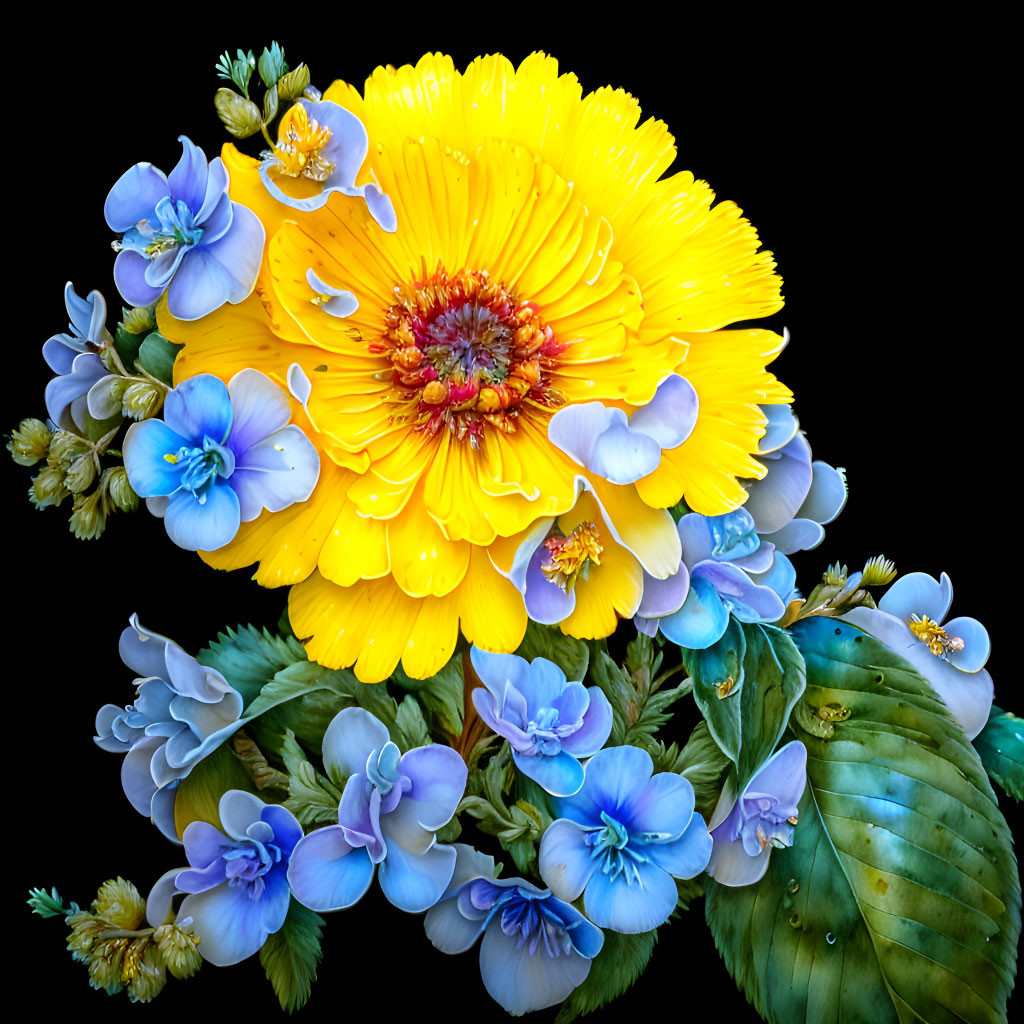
(938, 641)
(172, 459)
(300, 144)
(569, 557)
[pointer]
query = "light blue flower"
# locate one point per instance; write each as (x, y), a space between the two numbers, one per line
(183, 711)
(183, 235)
(725, 561)
(220, 455)
(237, 880)
(746, 828)
(910, 620)
(345, 153)
(74, 358)
(391, 806)
(549, 722)
(623, 840)
(536, 948)
(625, 449)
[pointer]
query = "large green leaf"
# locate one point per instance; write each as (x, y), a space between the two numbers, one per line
(248, 657)
(1000, 746)
(291, 956)
(198, 796)
(899, 900)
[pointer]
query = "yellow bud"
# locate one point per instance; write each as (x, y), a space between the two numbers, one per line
(139, 319)
(141, 400)
(89, 517)
(148, 973)
(434, 393)
(119, 902)
(84, 930)
(48, 487)
(120, 489)
(81, 474)
(240, 116)
(293, 85)
(65, 447)
(179, 949)
(106, 964)
(30, 442)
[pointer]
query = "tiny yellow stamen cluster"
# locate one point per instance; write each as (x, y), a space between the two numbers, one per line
(300, 144)
(939, 642)
(570, 557)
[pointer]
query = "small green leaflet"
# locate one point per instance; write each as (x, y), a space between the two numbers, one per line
(290, 956)
(312, 797)
(248, 657)
(1000, 746)
(570, 655)
(440, 696)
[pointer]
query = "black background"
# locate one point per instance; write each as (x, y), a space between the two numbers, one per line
(874, 162)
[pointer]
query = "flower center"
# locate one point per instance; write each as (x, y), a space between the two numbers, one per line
(201, 465)
(611, 845)
(762, 821)
(300, 144)
(248, 860)
(733, 535)
(382, 767)
(569, 558)
(533, 925)
(466, 353)
(938, 641)
(175, 228)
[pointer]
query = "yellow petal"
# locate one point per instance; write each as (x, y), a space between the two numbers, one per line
(423, 561)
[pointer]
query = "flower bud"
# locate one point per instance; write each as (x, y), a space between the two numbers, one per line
(179, 949)
(65, 447)
(119, 902)
(81, 474)
(85, 928)
(106, 964)
(240, 116)
(89, 518)
(139, 319)
(29, 443)
(120, 489)
(141, 400)
(48, 487)
(291, 86)
(145, 965)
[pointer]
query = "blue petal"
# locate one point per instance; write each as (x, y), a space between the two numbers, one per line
(664, 806)
(438, 775)
(694, 538)
(559, 774)
(207, 526)
(781, 577)
(200, 406)
(145, 446)
(731, 865)
(134, 196)
(671, 414)
(687, 856)
(213, 198)
(592, 735)
(415, 882)
(782, 425)
(701, 621)
(448, 930)
(227, 922)
(340, 303)
(326, 873)
(917, 593)
(783, 775)
(631, 909)
(497, 670)
(623, 456)
(278, 472)
(827, 495)
(740, 595)
(976, 643)
(545, 601)
(259, 409)
(774, 500)
(617, 777)
(201, 285)
(130, 277)
(542, 684)
(188, 179)
(798, 535)
(350, 739)
(564, 860)
(662, 597)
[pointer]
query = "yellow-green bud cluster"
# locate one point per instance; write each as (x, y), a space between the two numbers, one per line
(878, 571)
(30, 442)
(139, 319)
(48, 487)
(88, 516)
(240, 116)
(119, 902)
(141, 400)
(180, 950)
(120, 490)
(291, 86)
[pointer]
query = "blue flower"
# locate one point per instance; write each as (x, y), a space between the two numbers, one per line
(910, 620)
(724, 560)
(536, 947)
(73, 357)
(623, 839)
(183, 235)
(391, 806)
(183, 711)
(625, 449)
(237, 880)
(340, 158)
(549, 722)
(746, 828)
(220, 456)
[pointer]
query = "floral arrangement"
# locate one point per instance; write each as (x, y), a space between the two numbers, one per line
(448, 359)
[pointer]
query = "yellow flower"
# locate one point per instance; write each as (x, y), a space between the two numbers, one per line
(540, 262)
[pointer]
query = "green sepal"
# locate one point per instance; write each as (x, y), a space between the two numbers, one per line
(1000, 745)
(157, 355)
(621, 961)
(899, 899)
(291, 955)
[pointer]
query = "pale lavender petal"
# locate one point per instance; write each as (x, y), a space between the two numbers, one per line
(731, 865)
(545, 601)
(827, 495)
(917, 593)
(142, 650)
(783, 775)
(158, 903)
(977, 646)
(671, 414)
(259, 408)
(798, 535)
(621, 455)
(350, 739)
(188, 179)
(662, 597)
(774, 500)
(438, 775)
(695, 538)
(340, 303)
(780, 429)
(575, 428)
(592, 735)
(134, 196)
(213, 198)
(564, 859)
(276, 472)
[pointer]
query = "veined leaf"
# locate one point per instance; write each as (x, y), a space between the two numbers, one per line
(1000, 746)
(570, 655)
(290, 956)
(899, 900)
(198, 796)
(717, 675)
(248, 657)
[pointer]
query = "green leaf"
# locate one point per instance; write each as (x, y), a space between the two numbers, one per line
(289, 683)
(614, 682)
(440, 696)
(704, 764)
(156, 356)
(127, 346)
(1000, 746)
(312, 797)
(290, 956)
(899, 900)
(410, 726)
(621, 961)
(248, 657)
(745, 686)
(198, 796)
(570, 655)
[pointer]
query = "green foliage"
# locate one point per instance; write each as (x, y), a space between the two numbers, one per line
(704, 764)
(198, 796)
(156, 356)
(312, 797)
(238, 70)
(621, 961)
(248, 657)
(290, 956)
(49, 904)
(570, 655)
(899, 899)
(440, 697)
(127, 345)
(745, 686)
(1000, 746)
(272, 64)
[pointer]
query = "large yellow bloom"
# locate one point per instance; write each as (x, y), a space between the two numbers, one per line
(587, 277)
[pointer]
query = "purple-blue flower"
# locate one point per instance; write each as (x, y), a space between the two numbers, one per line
(549, 722)
(73, 357)
(625, 449)
(623, 840)
(237, 881)
(182, 712)
(391, 806)
(344, 154)
(536, 948)
(745, 829)
(183, 235)
(221, 454)
(911, 620)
